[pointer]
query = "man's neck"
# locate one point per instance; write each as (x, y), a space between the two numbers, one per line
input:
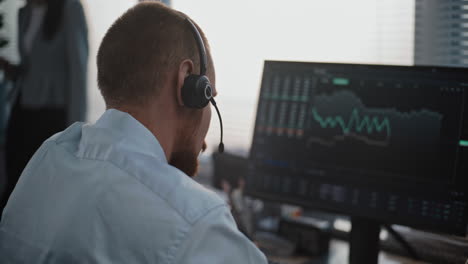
(163, 127)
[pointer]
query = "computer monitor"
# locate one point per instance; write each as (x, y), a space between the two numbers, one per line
(383, 144)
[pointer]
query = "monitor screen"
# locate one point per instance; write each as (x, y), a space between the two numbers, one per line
(385, 142)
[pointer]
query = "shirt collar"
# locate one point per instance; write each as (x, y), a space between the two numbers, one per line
(123, 129)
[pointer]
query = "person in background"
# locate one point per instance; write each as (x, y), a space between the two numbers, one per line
(50, 87)
(9, 55)
(9, 58)
(240, 209)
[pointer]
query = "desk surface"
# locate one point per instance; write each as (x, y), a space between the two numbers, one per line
(338, 254)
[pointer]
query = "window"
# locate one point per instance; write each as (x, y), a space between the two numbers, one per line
(242, 34)
(100, 16)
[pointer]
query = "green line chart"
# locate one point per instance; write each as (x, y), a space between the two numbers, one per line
(360, 124)
(356, 125)
(342, 116)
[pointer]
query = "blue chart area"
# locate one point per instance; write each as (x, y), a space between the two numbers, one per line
(343, 116)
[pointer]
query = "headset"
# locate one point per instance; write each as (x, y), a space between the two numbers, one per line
(197, 91)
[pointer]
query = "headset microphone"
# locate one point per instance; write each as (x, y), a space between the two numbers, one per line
(221, 144)
(197, 91)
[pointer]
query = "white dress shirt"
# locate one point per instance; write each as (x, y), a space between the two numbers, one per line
(104, 193)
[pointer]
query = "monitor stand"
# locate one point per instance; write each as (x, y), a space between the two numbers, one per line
(364, 241)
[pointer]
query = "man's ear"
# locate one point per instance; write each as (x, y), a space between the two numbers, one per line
(185, 69)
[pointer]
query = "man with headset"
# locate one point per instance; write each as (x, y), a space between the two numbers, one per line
(120, 190)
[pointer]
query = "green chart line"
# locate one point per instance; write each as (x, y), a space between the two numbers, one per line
(365, 124)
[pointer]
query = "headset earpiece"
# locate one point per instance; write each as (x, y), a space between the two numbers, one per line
(196, 91)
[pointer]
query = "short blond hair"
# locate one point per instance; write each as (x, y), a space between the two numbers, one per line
(139, 49)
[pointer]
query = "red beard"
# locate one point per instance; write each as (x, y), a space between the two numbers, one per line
(186, 161)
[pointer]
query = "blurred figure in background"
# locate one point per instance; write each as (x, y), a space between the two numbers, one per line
(9, 56)
(9, 53)
(50, 87)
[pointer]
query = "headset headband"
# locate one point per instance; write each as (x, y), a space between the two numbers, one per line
(201, 46)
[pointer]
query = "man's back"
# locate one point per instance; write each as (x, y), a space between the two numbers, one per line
(105, 194)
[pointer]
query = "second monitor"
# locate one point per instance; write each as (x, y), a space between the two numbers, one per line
(387, 143)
